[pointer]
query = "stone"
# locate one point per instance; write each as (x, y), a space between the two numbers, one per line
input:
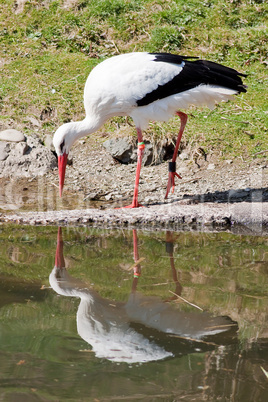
(48, 141)
(120, 149)
(94, 195)
(12, 135)
(21, 149)
(125, 151)
(26, 159)
(152, 155)
(184, 156)
(34, 122)
(108, 197)
(4, 150)
(211, 166)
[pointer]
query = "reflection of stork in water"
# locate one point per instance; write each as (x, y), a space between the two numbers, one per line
(139, 330)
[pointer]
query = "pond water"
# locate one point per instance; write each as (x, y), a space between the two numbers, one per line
(97, 315)
(41, 194)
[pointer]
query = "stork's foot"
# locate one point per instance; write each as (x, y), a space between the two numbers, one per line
(171, 182)
(134, 205)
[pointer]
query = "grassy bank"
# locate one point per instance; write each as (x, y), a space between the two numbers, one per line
(47, 49)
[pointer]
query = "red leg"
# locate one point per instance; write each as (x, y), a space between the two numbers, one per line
(172, 164)
(141, 147)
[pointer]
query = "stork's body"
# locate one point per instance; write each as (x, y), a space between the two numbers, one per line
(147, 87)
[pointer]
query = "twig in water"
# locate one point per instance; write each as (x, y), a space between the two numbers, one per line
(136, 263)
(156, 284)
(186, 301)
(192, 339)
(265, 372)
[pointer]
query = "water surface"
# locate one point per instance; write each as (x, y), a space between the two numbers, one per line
(109, 315)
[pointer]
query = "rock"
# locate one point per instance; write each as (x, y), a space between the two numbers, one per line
(12, 135)
(26, 159)
(4, 150)
(120, 149)
(152, 155)
(125, 151)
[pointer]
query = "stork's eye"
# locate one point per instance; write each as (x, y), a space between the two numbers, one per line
(62, 145)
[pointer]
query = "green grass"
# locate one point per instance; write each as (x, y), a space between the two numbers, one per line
(48, 49)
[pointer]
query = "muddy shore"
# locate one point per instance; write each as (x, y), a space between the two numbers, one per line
(251, 218)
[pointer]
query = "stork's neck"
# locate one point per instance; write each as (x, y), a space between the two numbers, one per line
(82, 128)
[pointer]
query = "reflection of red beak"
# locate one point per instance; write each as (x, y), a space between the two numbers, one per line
(62, 162)
(59, 259)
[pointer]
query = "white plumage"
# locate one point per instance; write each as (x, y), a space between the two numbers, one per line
(146, 87)
(165, 109)
(108, 327)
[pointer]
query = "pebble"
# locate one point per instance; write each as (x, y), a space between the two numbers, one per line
(92, 196)
(184, 156)
(34, 121)
(12, 135)
(211, 166)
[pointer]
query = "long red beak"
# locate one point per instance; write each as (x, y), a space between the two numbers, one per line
(62, 162)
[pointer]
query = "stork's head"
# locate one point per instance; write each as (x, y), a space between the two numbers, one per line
(63, 140)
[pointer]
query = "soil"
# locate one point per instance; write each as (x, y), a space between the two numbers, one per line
(213, 193)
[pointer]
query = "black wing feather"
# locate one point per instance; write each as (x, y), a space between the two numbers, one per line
(193, 74)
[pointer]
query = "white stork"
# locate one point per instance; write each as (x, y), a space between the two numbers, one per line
(147, 86)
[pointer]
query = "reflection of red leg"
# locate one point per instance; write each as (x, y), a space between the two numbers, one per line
(172, 164)
(140, 151)
(178, 288)
(137, 268)
(169, 249)
(135, 245)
